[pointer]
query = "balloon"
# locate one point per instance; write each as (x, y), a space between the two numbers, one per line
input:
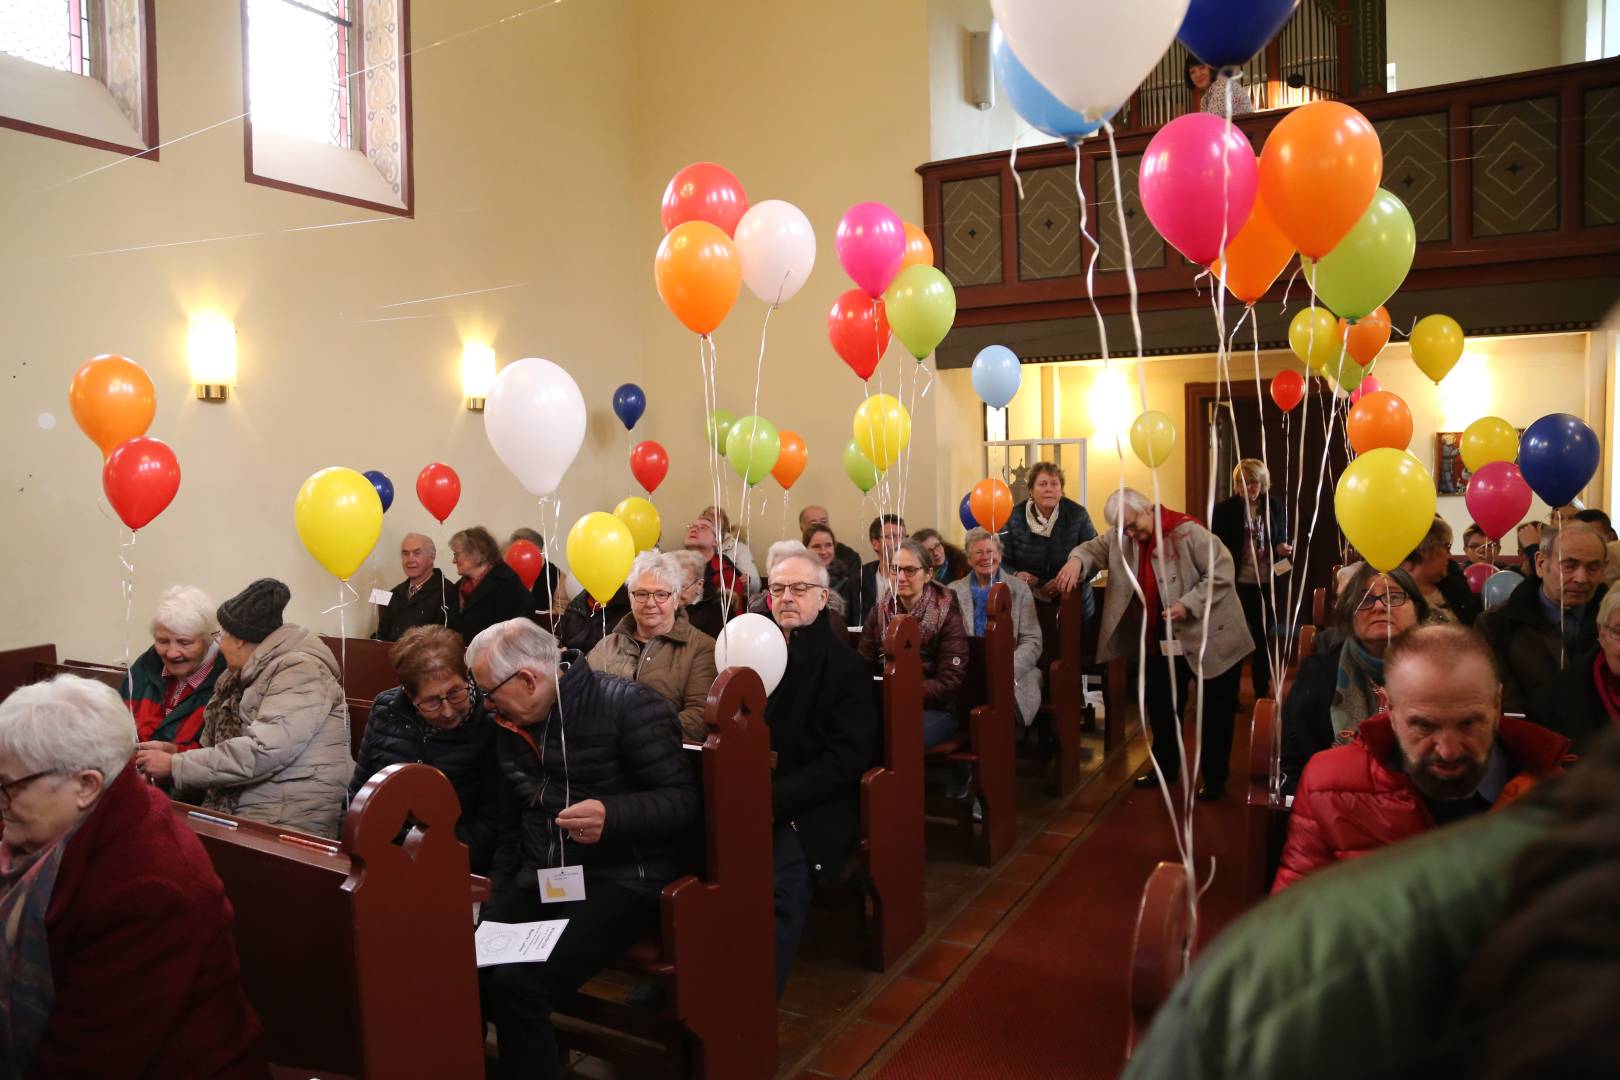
(753, 641)
(140, 478)
(1379, 419)
(921, 306)
(535, 420)
(919, 249)
(698, 275)
(523, 557)
(384, 486)
(1153, 436)
(791, 461)
(996, 375)
(1314, 337)
(338, 517)
(1365, 338)
(1478, 574)
(1031, 100)
(439, 489)
(858, 329)
(1558, 455)
(990, 503)
(752, 447)
(719, 428)
(641, 518)
(1198, 181)
(1437, 345)
(882, 429)
(1501, 586)
(1488, 439)
(777, 249)
(649, 464)
(871, 241)
(600, 551)
(1319, 172)
(859, 468)
(1369, 264)
(1256, 256)
(1287, 390)
(1369, 385)
(1346, 374)
(964, 511)
(1385, 504)
(1497, 498)
(628, 405)
(1227, 33)
(113, 400)
(704, 191)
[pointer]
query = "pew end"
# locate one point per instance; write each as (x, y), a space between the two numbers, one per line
(1159, 947)
(891, 799)
(989, 748)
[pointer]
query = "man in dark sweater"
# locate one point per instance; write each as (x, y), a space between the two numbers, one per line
(424, 598)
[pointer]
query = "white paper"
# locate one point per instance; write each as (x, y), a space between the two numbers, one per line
(381, 597)
(1281, 567)
(561, 884)
(1171, 648)
(517, 943)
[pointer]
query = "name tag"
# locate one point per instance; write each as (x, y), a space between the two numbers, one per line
(1281, 567)
(381, 597)
(1171, 648)
(561, 884)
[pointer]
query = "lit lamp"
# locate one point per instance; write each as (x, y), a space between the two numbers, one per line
(477, 373)
(211, 351)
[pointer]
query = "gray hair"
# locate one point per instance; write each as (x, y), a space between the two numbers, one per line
(783, 550)
(1125, 502)
(916, 549)
(1611, 600)
(512, 646)
(427, 543)
(65, 725)
(1552, 536)
(978, 534)
(662, 567)
(185, 609)
(690, 563)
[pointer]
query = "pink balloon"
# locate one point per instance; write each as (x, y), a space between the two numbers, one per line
(871, 242)
(1497, 498)
(1478, 574)
(1185, 184)
(1369, 385)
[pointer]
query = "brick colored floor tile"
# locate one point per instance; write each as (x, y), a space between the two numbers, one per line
(845, 1053)
(1024, 868)
(898, 1001)
(1049, 843)
(1001, 895)
(970, 927)
(938, 961)
(1069, 823)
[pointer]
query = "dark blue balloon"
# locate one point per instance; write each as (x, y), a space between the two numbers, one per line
(384, 486)
(629, 403)
(965, 512)
(1228, 33)
(1558, 456)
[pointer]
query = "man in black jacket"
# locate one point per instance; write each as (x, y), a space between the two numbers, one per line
(1254, 527)
(596, 782)
(886, 533)
(424, 598)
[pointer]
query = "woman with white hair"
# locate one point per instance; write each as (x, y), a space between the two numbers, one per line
(169, 685)
(1189, 613)
(973, 598)
(117, 956)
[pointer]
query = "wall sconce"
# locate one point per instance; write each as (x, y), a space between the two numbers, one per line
(211, 352)
(477, 373)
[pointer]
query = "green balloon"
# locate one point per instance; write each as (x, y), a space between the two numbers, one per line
(752, 447)
(1368, 265)
(859, 468)
(921, 306)
(720, 422)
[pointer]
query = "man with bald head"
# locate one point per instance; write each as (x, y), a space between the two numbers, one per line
(843, 554)
(424, 598)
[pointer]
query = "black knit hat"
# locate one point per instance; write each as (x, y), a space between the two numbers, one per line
(255, 613)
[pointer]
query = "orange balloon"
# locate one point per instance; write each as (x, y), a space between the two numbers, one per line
(1365, 338)
(113, 400)
(791, 461)
(1255, 257)
(698, 274)
(919, 249)
(1319, 172)
(990, 503)
(1379, 419)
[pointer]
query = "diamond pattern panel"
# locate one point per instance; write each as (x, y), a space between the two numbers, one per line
(1147, 246)
(1049, 226)
(972, 227)
(1415, 170)
(1515, 167)
(1601, 202)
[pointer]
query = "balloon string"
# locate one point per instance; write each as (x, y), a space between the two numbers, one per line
(343, 638)
(128, 586)
(759, 367)
(1012, 166)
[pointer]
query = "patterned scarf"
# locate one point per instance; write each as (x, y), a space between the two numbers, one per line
(1040, 526)
(1358, 690)
(223, 721)
(27, 991)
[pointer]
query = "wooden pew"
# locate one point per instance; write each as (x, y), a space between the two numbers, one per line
(17, 666)
(1066, 688)
(1159, 947)
(113, 677)
(1265, 817)
(988, 746)
(358, 956)
(892, 805)
(367, 671)
(1319, 607)
(359, 713)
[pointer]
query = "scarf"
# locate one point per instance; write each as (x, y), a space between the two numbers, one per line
(1608, 688)
(1358, 690)
(981, 600)
(223, 720)
(27, 992)
(1169, 521)
(1040, 526)
(930, 611)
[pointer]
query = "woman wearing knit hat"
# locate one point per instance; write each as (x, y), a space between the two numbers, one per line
(275, 740)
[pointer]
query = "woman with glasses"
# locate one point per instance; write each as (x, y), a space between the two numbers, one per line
(433, 717)
(1584, 701)
(657, 645)
(1342, 683)
(169, 684)
(943, 638)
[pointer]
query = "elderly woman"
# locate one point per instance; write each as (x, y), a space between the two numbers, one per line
(1342, 683)
(843, 590)
(1441, 581)
(117, 955)
(1254, 528)
(1584, 701)
(973, 598)
(1042, 531)
(275, 740)
(943, 638)
(433, 717)
(490, 591)
(948, 562)
(170, 684)
(705, 611)
(1194, 624)
(656, 644)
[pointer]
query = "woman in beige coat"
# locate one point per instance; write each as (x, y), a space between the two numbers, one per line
(275, 741)
(1195, 624)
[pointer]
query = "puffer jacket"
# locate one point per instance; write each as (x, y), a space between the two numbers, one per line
(678, 664)
(1353, 798)
(943, 643)
(290, 765)
(1529, 647)
(146, 689)
(1025, 553)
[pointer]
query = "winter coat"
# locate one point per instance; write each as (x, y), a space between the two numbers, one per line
(1026, 639)
(580, 625)
(275, 746)
(547, 590)
(943, 643)
(1528, 646)
(1570, 704)
(1459, 595)
(1230, 523)
(871, 591)
(847, 567)
(678, 664)
(498, 596)
(1025, 553)
(1355, 798)
(1307, 724)
(143, 955)
(396, 732)
(436, 603)
(706, 616)
(145, 690)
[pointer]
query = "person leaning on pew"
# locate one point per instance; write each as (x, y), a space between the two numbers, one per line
(169, 684)
(117, 956)
(630, 793)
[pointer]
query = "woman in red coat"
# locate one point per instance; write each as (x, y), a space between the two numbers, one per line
(116, 951)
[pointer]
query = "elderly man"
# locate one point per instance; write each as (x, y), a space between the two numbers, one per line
(720, 575)
(1600, 521)
(1546, 623)
(424, 598)
(886, 533)
(632, 793)
(1442, 752)
(973, 598)
(842, 553)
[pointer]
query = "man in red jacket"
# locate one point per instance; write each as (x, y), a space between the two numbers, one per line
(1442, 752)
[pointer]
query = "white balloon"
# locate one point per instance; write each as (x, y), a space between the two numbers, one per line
(777, 247)
(753, 641)
(535, 419)
(1092, 54)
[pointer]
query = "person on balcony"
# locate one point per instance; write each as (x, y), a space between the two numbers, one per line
(1211, 90)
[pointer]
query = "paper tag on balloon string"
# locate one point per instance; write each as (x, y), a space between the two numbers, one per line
(381, 597)
(1281, 567)
(561, 884)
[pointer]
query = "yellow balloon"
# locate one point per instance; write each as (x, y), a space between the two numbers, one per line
(600, 551)
(1314, 337)
(1153, 437)
(882, 429)
(1437, 345)
(339, 517)
(1488, 439)
(1385, 504)
(641, 518)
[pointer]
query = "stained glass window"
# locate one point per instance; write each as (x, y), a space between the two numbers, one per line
(55, 33)
(299, 68)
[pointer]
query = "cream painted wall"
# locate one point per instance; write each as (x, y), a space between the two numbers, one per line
(958, 127)
(1442, 41)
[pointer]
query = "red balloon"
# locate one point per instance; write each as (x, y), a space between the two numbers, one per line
(858, 328)
(1497, 498)
(439, 488)
(140, 478)
(1478, 574)
(526, 559)
(1288, 389)
(649, 464)
(704, 191)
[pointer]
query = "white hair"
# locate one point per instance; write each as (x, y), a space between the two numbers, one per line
(783, 550)
(690, 563)
(514, 645)
(1611, 600)
(1125, 502)
(427, 543)
(65, 725)
(662, 567)
(185, 609)
(978, 534)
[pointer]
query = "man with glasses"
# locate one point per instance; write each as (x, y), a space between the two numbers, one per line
(886, 533)
(1584, 702)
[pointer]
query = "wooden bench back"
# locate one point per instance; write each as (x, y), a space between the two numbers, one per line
(1065, 685)
(113, 677)
(17, 666)
(367, 671)
(892, 803)
(1158, 950)
(992, 718)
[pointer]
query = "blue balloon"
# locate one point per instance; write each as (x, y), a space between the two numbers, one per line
(965, 512)
(1034, 102)
(384, 486)
(629, 403)
(1499, 586)
(996, 375)
(1228, 33)
(1558, 456)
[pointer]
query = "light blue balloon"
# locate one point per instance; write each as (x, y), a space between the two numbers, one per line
(996, 375)
(1034, 102)
(1499, 586)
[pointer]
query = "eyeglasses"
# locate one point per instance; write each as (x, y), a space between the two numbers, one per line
(1609, 631)
(661, 596)
(799, 589)
(490, 693)
(908, 571)
(433, 706)
(1394, 598)
(8, 790)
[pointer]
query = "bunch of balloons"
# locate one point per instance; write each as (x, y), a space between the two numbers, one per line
(113, 401)
(882, 431)
(898, 290)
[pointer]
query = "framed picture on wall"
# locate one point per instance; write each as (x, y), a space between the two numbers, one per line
(1450, 474)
